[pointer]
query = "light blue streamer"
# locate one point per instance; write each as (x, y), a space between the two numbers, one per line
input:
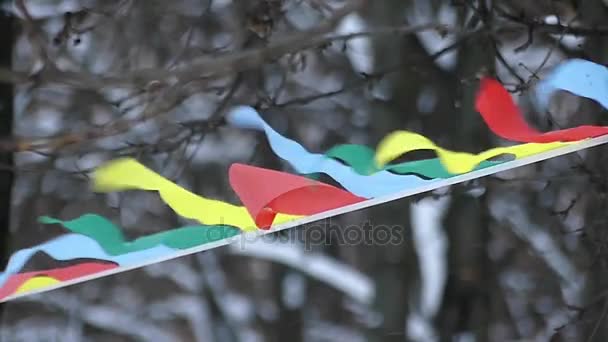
(378, 184)
(577, 76)
(76, 246)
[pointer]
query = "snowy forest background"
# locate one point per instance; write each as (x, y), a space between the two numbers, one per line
(519, 256)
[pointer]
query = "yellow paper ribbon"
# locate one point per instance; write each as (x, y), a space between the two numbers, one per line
(401, 142)
(35, 283)
(128, 174)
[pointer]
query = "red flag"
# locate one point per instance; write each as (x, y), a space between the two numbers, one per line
(265, 193)
(504, 118)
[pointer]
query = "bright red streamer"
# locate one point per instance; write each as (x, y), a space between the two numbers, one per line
(504, 118)
(267, 192)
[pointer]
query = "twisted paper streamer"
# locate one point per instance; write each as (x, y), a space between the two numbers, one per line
(580, 77)
(378, 184)
(128, 174)
(577, 76)
(267, 192)
(75, 246)
(503, 118)
(95, 237)
(30, 281)
(361, 159)
(393, 146)
(269, 196)
(36, 283)
(113, 241)
(401, 142)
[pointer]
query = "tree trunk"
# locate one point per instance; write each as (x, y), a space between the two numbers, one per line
(6, 126)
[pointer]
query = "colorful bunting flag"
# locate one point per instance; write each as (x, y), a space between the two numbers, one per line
(272, 200)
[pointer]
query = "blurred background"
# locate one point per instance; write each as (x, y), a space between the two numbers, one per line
(518, 256)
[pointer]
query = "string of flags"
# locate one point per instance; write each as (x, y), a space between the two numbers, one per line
(92, 246)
